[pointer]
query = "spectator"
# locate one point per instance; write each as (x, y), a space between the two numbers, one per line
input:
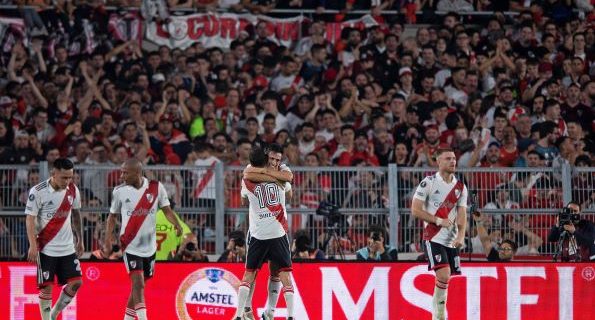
(270, 100)
(362, 150)
(376, 250)
(168, 243)
(504, 252)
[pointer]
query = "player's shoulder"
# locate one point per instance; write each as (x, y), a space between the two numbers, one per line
(427, 180)
(119, 188)
(40, 186)
(284, 167)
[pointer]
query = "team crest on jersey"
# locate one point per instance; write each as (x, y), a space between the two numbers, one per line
(150, 197)
(70, 199)
(208, 293)
(458, 193)
(132, 264)
(438, 258)
(46, 275)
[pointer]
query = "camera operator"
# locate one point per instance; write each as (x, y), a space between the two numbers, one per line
(577, 235)
(236, 248)
(189, 251)
(376, 250)
(302, 248)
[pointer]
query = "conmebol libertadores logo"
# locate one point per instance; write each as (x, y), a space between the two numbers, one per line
(208, 293)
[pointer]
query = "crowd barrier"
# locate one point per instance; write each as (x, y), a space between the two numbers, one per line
(208, 200)
(329, 291)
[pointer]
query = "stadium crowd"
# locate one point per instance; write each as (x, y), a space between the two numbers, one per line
(505, 91)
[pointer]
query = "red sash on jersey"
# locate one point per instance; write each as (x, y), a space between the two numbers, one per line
(205, 180)
(52, 228)
(294, 84)
(449, 202)
(140, 213)
(276, 208)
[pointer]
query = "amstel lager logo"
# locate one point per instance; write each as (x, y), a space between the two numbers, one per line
(208, 293)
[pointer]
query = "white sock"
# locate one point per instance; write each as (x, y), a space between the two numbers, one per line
(243, 293)
(273, 296)
(439, 299)
(248, 305)
(62, 302)
(130, 314)
(141, 311)
(288, 294)
(45, 305)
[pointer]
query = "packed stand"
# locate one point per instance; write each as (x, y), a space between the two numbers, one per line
(513, 91)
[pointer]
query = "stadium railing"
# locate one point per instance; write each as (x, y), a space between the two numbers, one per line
(527, 197)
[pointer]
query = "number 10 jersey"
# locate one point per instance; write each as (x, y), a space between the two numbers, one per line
(267, 211)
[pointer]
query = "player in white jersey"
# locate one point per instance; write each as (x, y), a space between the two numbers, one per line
(137, 201)
(267, 236)
(50, 207)
(441, 202)
(276, 172)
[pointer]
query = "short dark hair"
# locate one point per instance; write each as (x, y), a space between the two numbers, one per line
(274, 147)
(63, 164)
(511, 243)
(377, 229)
(258, 157)
(442, 150)
(546, 128)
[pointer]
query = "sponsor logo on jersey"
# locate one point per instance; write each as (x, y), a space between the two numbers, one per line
(437, 192)
(208, 293)
(127, 201)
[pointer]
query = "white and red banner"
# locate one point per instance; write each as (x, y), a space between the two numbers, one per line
(323, 291)
(219, 30)
(126, 27)
(334, 29)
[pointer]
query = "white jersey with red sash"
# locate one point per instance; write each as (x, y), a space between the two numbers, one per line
(204, 181)
(138, 208)
(268, 214)
(52, 209)
(441, 199)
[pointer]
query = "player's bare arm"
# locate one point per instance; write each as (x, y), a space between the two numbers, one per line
(32, 236)
(283, 176)
(260, 177)
(171, 217)
(461, 225)
(289, 195)
(77, 229)
(110, 224)
(418, 212)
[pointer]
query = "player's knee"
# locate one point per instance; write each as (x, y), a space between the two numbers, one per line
(249, 276)
(47, 289)
(275, 277)
(75, 285)
(443, 274)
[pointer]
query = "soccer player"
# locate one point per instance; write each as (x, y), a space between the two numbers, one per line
(441, 202)
(277, 172)
(137, 201)
(267, 236)
(52, 215)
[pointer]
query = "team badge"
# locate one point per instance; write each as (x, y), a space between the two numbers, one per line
(150, 197)
(46, 275)
(132, 264)
(458, 193)
(70, 199)
(31, 197)
(208, 293)
(438, 258)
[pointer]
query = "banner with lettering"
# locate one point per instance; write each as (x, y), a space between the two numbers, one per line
(334, 29)
(323, 291)
(219, 30)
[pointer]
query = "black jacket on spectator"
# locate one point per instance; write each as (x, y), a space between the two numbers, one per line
(585, 238)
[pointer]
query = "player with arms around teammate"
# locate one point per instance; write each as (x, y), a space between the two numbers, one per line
(267, 235)
(280, 173)
(137, 201)
(50, 207)
(441, 202)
